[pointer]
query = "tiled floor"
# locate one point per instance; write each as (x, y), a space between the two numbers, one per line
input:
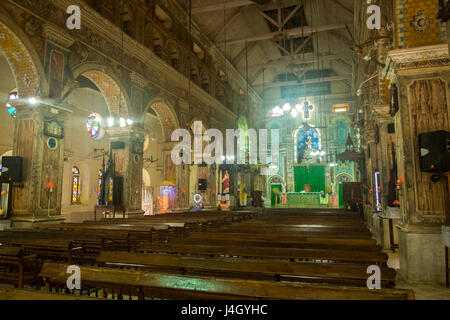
(422, 291)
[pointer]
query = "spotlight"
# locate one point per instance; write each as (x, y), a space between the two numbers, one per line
(122, 122)
(294, 113)
(32, 100)
(298, 107)
(359, 92)
(287, 107)
(130, 122)
(110, 122)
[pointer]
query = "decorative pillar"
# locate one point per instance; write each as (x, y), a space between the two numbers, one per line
(422, 76)
(127, 150)
(39, 140)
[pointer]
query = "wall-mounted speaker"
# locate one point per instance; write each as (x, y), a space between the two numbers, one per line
(391, 128)
(11, 169)
(434, 148)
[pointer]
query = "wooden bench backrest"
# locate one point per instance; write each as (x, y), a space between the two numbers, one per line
(161, 285)
(243, 266)
(279, 253)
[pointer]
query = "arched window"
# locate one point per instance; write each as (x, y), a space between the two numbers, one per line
(307, 139)
(13, 95)
(75, 186)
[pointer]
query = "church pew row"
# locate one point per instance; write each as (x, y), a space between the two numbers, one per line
(310, 231)
(145, 284)
(25, 294)
(359, 257)
(301, 238)
(279, 244)
(64, 246)
(18, 268)
(275, 270)
(57, 250)
(122, 240)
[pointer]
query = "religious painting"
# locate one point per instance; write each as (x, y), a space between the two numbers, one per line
(56, 74)
(53, 129)
(308, 139)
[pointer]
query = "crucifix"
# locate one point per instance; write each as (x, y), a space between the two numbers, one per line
(306, 109)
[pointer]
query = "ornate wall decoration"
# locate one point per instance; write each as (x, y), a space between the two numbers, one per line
(421, 22)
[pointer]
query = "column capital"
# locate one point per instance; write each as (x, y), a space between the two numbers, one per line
(40, 110)
(129, 133)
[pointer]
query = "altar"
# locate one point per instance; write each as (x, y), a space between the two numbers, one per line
(306, 198)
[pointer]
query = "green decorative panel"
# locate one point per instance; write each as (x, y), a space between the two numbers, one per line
(313, 175)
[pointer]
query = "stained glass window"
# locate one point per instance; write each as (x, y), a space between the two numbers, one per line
(110, 190)
(13, 95)
(75, 186)
(308, 138)
(94, 127)
(99, 186)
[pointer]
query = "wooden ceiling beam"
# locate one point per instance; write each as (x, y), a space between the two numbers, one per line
(295, 32)
(308, 81)
(221, 6)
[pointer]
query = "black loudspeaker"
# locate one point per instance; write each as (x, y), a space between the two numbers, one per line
(202, 184)
(391, 128)
(11, 169)
(434, 148)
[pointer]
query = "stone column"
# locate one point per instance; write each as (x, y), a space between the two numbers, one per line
(39, 140)
(422, 76)
(128, 159)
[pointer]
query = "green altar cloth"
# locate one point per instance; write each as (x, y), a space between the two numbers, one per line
(303, 198)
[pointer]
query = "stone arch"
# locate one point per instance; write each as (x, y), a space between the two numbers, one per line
(109, 86)
(22, 58)
(343, 177)
(276, 179)
(167, 116)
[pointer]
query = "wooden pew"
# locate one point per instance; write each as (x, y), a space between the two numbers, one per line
(92, 242)
(23, 294)
(17, 268)
(158, 285)
(112, 231)
(280, 244)
(60, 250)
(330, 273)
(280, 237)
(328, 255)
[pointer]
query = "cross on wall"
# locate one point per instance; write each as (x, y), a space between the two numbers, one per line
(306, 110)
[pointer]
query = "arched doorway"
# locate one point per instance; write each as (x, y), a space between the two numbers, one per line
(275, 187)
(160, 122)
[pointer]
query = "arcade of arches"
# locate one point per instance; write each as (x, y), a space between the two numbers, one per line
(92, 113)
